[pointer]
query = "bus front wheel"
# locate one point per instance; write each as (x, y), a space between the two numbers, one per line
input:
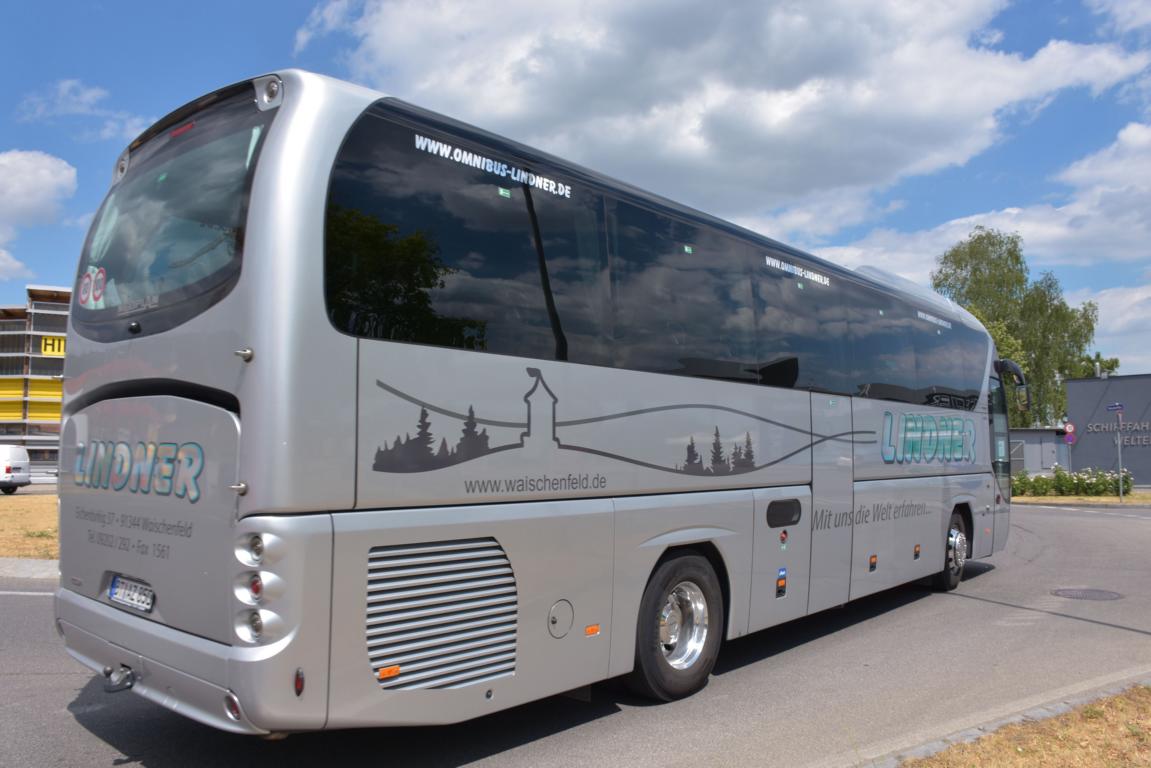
(956, 548)
(679, 629)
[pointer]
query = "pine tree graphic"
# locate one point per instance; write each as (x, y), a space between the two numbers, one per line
(718, 460)
(418, 454)
(693, 464)
(471, 444)
(748, 453)
(422, 445)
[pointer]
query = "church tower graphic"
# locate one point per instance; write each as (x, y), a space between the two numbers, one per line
(541, 433)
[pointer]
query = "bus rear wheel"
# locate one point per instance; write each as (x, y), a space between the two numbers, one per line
(679, 629)
(956, 548)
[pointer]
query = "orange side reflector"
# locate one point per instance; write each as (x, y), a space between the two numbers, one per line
(386, 673)
(781, 582)
(591, 630)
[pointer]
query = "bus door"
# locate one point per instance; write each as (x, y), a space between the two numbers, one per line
(1000, 461)
(832, 499)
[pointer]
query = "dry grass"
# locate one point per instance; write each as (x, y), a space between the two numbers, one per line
(1136, 498)
(1111, 732)
(29, 526)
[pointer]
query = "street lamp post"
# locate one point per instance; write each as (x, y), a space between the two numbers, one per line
(1118, 409)
(1119, 449)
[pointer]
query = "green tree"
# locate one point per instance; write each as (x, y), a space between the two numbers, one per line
(986, 273)
(1030, 321)
(1055, 337)
(1005, 342)
(1085, 368)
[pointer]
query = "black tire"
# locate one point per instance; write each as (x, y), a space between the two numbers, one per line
(954, 561)
(665, 672)
(9, 490)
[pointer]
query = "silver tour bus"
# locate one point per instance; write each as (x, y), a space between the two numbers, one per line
(374, 418)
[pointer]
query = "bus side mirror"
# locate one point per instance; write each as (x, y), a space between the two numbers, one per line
(1009, 369)
(1022, 397)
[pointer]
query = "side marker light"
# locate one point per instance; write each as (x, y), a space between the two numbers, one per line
(591, 630)
(387, 673)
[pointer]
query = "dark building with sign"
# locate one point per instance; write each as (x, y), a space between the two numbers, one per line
(1097, 423)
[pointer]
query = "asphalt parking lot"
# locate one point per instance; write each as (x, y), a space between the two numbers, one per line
(876, 678)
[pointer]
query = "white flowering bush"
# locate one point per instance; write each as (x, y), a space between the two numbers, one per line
(1086, 482)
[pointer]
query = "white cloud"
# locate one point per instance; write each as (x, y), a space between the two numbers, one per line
(1124, 15)
(1124, 324)
(70, 98)
(737, 108)
(12, 268)
(32, 184)
(1107, 217)
(323, 19)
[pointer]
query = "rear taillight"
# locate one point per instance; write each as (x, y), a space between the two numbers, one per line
(8, 469)
(257, 588)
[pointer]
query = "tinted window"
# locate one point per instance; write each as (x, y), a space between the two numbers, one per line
(436, 239)
(430, 240)
(905, 353)
(801, 324)
(882, 346)
(682, 298)
(167, 240)
(950, 360)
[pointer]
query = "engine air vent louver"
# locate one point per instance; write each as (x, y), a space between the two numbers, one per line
(444, 613)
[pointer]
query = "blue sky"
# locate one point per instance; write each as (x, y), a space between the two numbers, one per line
(869, 133)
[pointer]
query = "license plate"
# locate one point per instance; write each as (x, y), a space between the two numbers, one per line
(131, 593)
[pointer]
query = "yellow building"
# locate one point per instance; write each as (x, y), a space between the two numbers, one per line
(32, 345)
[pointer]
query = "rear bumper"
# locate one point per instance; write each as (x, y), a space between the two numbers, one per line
(182, 672)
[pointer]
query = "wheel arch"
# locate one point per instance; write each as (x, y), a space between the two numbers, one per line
(963, 509)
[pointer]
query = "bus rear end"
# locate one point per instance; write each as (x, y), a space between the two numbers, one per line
(189, 554)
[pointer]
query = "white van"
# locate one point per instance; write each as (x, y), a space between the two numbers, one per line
(14, 468)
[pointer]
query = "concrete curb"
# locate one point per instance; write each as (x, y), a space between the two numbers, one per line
(1054, 501)
(26, 568)
(1052, 708)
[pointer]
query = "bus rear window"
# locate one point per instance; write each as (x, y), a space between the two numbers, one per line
(166, 243)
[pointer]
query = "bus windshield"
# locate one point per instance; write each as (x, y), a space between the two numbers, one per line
(167, 241)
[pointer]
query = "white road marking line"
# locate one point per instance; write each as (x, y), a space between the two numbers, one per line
(34, 594)
(1103, 512)
(1035, 611)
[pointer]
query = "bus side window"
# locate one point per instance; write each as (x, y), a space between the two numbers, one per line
(423, 248)
(882, 350)
(801, 327)
(682, 298)
(950, 361)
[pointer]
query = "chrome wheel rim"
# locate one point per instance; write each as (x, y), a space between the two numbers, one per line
(956, 550)
(683, 625)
